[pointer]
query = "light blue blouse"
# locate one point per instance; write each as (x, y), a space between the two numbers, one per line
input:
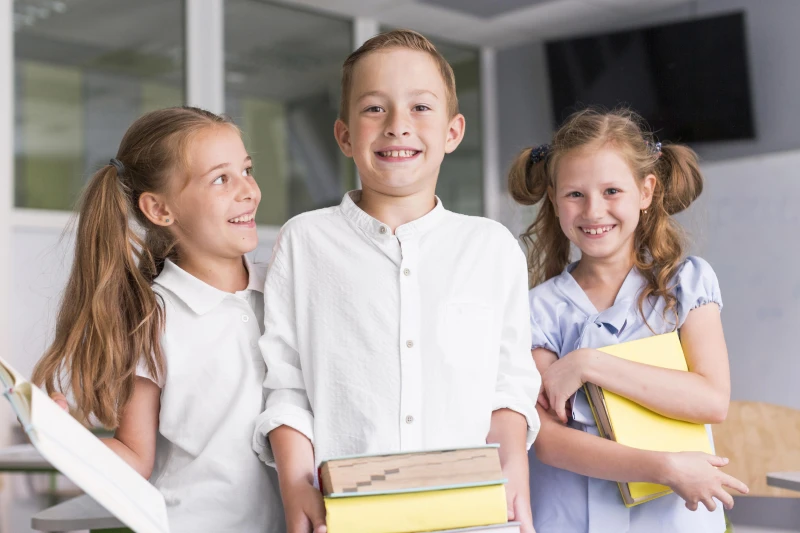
(563, 319)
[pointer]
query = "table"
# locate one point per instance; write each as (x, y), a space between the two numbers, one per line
(76, 514)
(24, 458)
(784, 480)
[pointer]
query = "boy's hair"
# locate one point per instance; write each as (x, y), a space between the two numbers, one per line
(658, 239)
(110, 319)
(410, 40)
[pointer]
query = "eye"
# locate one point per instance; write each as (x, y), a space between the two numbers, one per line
(220, 180)
(421, 107)
(613, 190)
(248, 171)
(374, 109)
(574, 194)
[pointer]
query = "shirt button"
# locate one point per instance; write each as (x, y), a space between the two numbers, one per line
(410, 344)
(406, 272)
(245, 318)
(383, 229)
(409, 419)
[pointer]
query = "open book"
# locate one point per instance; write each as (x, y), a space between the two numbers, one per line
(83, 458)
(633, 425)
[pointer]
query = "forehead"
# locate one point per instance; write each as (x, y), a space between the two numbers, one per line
(601, 165)
(395, 69)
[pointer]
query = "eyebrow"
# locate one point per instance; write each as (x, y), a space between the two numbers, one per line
(417, 92)
(225, 165)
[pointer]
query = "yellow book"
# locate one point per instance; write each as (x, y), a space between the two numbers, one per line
(405, 512)
(629, 423)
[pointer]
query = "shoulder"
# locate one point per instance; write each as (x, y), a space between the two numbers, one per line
(484, 232)
(693, 272)
(696, 285)
(309, 221)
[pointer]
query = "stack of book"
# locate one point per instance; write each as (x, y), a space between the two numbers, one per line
(621, 420)
(443, 490)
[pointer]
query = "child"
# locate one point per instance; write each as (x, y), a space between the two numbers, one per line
(393, 324)
(610, 190)
(158, 334)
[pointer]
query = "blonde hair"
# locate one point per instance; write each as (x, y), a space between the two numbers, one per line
(658, 240)
(410, 40)
(110, 319)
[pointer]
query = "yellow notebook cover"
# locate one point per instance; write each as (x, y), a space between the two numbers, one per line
(639, 427)
(417, 511)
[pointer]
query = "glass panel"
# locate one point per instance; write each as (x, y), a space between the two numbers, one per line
(460, 184)
(84, 70)
(282, 88)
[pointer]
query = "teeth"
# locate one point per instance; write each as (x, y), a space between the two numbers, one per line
(597, 231)
(245, 218)
(398, 153)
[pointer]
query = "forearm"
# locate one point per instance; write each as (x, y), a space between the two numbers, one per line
(682, 395)
(141, 462)
(509, 429)
(589, 455)
(294, 457)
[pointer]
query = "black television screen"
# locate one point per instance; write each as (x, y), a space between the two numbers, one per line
(688, 80)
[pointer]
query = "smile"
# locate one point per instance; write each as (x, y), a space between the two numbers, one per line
(243, 219)
(399, 154)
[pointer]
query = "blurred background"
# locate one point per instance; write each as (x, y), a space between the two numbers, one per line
(720, 75)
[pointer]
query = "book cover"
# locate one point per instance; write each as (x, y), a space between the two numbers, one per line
(633, 425)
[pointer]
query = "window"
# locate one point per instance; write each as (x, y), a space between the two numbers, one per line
(84, 70)
(282, 87)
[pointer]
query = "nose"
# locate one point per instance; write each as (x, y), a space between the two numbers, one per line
(593, 207)
(397, 125)
(247, 190)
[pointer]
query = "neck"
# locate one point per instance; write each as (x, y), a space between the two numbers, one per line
(606, 271)
(394, 211)
(223, 273)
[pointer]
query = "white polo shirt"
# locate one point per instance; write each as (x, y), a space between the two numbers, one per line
(205, 467)
(381, 342)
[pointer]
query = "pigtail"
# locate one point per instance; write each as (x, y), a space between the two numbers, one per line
(660, 241)
(548, 249)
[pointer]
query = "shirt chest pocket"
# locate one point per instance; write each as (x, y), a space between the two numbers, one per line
(467, 335)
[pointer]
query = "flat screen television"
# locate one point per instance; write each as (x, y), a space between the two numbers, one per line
(689, 80)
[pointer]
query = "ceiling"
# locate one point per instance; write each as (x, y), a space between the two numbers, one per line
(498, 23)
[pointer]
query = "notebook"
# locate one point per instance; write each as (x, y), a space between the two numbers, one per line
(411, 471)
(83, 458)
(629, 423)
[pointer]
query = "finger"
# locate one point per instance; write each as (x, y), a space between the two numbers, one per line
(692, 506)
(735, 484)
(543, 401)
(560, 408)
(715, 460)
(725, 498)
(60, 400)
(710, 503)
(317, 518)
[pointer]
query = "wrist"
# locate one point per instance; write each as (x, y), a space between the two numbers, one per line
(661, 468)
(588, 361)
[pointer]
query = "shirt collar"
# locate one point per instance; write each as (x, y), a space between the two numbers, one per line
(380, 231)
(199, 295)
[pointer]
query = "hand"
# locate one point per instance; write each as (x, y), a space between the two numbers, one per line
(61, 400)
(518, 502)
(304, 508)
(694, 476)
(561, 380)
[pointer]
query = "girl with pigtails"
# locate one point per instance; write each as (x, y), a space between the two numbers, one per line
(157, 335)
(607, 187)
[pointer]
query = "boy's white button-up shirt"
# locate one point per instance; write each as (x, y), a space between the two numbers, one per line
(379, 342)
(211, 394)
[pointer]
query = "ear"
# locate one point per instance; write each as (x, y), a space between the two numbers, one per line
(551, 194)
(455, 133)
(647, 189)
(342, 133)
(155, 208)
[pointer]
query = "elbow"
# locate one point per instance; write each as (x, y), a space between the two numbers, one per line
(717, 410)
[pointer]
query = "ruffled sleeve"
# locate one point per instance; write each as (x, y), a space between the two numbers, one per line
(697, 285)
(545, 332)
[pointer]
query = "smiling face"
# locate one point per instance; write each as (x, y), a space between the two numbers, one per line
(398, 126)
(214, 209)
(598, 201)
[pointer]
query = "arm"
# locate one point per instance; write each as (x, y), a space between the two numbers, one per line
(135, 438)
(692, 475)
(701, 395)
(294, 458)
(508, 429)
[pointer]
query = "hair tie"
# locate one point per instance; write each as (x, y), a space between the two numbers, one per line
(655, 149)
(539, 153)
(116, 163)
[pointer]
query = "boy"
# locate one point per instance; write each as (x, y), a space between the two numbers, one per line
(391, 323)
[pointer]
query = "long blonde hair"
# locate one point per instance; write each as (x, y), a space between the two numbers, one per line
(110, 318)
(658, 239)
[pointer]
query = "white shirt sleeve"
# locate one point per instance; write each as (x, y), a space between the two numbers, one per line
(286, 398)
(518, 381)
